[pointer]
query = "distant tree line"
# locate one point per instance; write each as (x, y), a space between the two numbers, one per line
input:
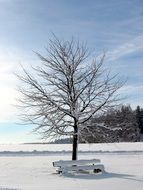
(122, 124)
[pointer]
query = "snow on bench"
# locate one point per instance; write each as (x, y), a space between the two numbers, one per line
(62, 163)
(79, 166)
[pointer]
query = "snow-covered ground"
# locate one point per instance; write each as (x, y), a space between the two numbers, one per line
(20, 170)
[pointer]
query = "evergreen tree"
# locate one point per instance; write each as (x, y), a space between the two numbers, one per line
(139, 118)
(117, 125)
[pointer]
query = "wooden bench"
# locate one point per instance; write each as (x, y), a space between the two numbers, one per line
(65, 166)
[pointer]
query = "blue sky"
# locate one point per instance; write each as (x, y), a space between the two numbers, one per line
(27, 25)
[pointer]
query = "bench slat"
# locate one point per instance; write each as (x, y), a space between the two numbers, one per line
(62, 163)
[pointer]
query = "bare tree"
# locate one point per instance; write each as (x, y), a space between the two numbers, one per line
(66, 91)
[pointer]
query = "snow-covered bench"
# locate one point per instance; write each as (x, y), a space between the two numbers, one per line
(64, 166)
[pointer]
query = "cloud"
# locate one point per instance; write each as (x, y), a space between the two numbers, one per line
(9, 63)
(7, 101)
(127, 48)
(132, 89)
(133, 95)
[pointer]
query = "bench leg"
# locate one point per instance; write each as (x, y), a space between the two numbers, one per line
(97, 170)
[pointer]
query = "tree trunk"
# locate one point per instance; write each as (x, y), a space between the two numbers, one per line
(75, 144)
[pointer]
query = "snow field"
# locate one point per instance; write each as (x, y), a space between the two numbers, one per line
(124, 172)
(100, 147)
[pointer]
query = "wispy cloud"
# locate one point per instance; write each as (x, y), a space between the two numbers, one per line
(133, 94)
(127, 48)
(132, 89)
